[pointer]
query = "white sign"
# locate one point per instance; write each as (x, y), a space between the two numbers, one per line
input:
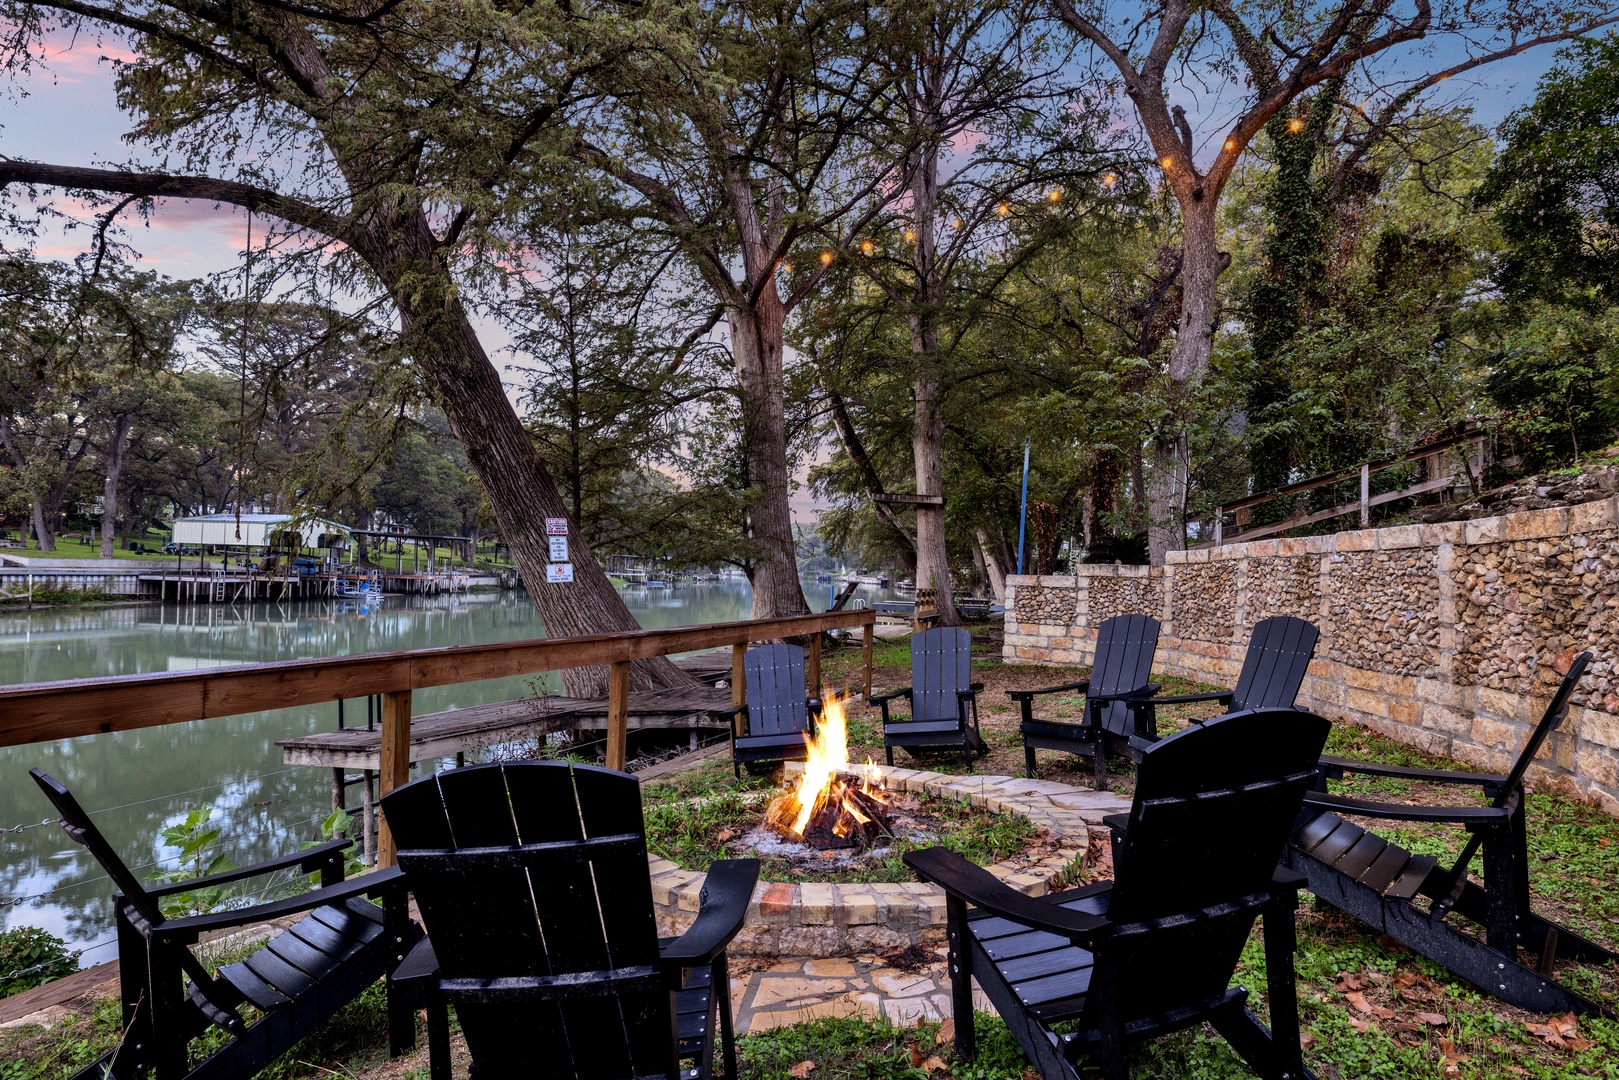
(556, 526)
(559, 573)
(559, 549)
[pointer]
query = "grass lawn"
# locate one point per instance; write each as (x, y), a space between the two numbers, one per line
(70, 548)
(1368, 1007)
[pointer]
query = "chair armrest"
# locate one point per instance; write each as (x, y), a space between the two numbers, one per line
(1024, 695)
(732, 711)
(1331, 765)
(881, 699)
(366, 884)
(1223, 696)
(813, 705)
(983, 890)
(307, 860)
(1140, 693)
(420, 963)
(1461, 815)
(727, 891)
(972, 691)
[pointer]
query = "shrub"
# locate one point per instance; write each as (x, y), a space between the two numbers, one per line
(39, 955)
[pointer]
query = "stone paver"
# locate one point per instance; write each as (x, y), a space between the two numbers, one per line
(793, 991)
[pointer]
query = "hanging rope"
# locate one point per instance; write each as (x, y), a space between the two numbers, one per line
(241, 382)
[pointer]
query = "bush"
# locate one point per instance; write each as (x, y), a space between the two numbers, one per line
(40, 955)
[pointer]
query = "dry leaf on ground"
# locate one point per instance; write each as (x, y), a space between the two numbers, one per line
(947, 1032)
(934, 1064)
(801, 1070)
(1433, 1019)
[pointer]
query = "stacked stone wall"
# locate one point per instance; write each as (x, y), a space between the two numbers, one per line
(1449, 637)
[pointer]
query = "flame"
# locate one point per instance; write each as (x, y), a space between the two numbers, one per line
(828, 753)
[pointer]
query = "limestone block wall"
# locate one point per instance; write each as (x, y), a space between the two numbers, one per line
(1447, 637)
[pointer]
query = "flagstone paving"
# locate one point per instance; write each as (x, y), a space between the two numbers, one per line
(792, 991)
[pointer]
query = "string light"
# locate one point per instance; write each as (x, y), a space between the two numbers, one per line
(787, 267)
(867, 247)
(1109, 180)
(955, 223)
(826, 258)
(1295, 124)
(1230, 145)
(910, 234)
(1167, 162)
(1003, 210)
(1054, 195)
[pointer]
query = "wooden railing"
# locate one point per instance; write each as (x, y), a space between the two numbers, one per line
(38, 712)
(1439, 477)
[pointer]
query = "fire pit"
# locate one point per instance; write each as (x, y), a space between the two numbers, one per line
(827, 808)
(848, 822)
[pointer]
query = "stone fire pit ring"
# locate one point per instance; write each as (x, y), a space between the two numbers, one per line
(818, 919)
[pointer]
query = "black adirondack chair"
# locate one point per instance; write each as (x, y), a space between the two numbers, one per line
(943, 697)
(1125, 646)
(781, 717)
(296, 980)
(1380, 883)
(532, 880)
(1273, 668)
(1152, 951)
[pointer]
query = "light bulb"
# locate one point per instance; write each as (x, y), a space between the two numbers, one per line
(826, 258)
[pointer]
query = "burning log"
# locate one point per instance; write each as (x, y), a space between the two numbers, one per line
(824, 809)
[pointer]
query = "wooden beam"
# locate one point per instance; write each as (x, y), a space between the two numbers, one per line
(908, 500)
(395, 763)
(739, 686)
(618, 714)
(812, 670)
(867, 632)
(41, 712)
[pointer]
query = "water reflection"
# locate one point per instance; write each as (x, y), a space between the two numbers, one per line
(137, 783)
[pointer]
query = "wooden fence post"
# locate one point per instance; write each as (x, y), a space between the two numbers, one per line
(618, 714)
(739, 685)
(394, 762)
(1365, 496)
(867, 632)
(813, 669)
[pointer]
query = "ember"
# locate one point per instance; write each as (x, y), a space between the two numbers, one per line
(828, 809)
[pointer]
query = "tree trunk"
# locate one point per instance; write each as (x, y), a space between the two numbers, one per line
(116, 448)
(992, 565)
(44, 536)
(1188, 360)
(523, 494)
(756, 346)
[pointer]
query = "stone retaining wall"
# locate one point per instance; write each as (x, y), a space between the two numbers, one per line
(1448, 637)
(824, 920)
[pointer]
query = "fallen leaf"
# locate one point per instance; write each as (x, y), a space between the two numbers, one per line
(1433, 1019)
(947, 1032)
(1358, 1002)
(724, 835)
(1565, 1024)
(1349, 981)
(1603, 841)
(934, 1064)
(1410, 1031)
(1308, 1040)
(801, 1070)
(1360, 1025)
(1377, 977)
(1548, 1034)
(917, 1057)
(1405, 978)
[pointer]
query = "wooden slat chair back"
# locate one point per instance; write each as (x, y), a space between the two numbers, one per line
(1273, 668)
(944, 699)
(1382, 884)
(1125, 646)
(297, 978)
(1153, 951)
(535, 874)
(776, 690)
(1208, 823)
(780, 713)
(941, 670)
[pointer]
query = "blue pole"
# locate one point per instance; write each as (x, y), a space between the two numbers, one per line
(1023, 510)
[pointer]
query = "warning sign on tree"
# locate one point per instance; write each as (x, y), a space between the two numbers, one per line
(559, 573)
(559, 549)
(556, 526)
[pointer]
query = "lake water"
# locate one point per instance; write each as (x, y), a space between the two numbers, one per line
(136, 783)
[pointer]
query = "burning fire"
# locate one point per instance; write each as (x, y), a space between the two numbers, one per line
(823, 808)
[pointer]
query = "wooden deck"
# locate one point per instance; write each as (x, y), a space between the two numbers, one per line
(437, 735)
